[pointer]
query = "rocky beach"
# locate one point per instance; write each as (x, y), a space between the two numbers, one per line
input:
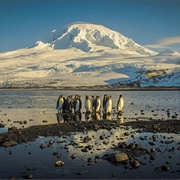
(131, 156)
(142, 142)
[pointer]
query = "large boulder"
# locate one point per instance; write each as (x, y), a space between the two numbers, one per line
(121, 157)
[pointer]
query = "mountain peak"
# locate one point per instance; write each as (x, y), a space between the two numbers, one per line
(93, 38)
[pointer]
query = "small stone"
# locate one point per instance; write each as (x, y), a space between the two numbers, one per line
(96, 127)
(90, 161)
(155, 126)
(151, 143)
(131, 146)
(101, 137)
(84, 150)
(73, 156)
(86, 139)
(152, 157)
(55, 153)
(42, 146)
(51, 142)
(152, 150)
(25, 122)
(59, 163)
(126, 133)
(28, 176)
(164, 168)
(135, 164)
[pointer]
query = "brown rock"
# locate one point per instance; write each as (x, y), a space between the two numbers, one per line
(9, 143)
(121, 157)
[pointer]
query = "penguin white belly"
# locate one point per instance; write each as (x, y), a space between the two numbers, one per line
(88, 105)
(98, 106)
(120, 104)
(109, 106)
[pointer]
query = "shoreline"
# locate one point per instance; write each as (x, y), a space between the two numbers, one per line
(94, 89)
(33, 132)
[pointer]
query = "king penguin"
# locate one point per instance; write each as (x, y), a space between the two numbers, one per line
(88, 104)
(60, 104)
(97, 104)
(104, 102)
(120, 103)
(77, 104)
(108, 105)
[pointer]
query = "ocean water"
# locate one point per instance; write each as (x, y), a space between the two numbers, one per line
(23, 108)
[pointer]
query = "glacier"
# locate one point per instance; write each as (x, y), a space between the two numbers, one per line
(88, 55)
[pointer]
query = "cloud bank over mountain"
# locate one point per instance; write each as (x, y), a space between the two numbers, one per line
(165, 43)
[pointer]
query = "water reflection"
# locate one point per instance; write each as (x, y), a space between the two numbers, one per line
(107, 116)
(40, 108)
(120, 118)
(67, 117)
(88, 116)
(97, 116)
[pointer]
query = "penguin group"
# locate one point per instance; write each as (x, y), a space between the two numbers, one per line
(92, 104)
(69, 104)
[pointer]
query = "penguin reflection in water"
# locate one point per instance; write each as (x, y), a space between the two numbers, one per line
(120, 118)
(107, 116)
(63, 118)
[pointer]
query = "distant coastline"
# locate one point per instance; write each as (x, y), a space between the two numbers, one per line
(93, 88)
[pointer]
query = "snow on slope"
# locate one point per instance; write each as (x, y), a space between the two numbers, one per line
(92, 38)
(94, 55)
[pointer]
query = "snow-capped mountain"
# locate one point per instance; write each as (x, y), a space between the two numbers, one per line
(92, 38)
(88, 55)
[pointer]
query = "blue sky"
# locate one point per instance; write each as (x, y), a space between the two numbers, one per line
(154, 23)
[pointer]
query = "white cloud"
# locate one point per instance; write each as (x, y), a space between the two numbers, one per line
(165, 43)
